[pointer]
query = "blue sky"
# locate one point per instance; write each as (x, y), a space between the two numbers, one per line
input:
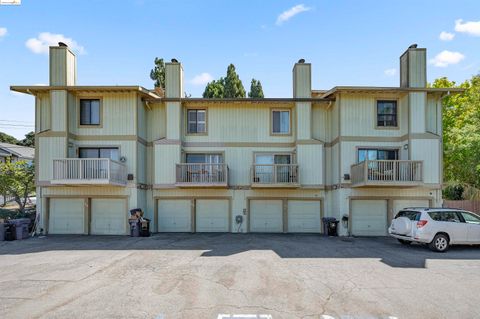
(347, 42)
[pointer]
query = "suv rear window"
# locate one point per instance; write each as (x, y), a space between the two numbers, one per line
(409, 214)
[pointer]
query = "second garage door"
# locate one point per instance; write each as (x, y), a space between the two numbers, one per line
(212, 215)
(266, 216)
(174, 215)
(109, 216)
(67, 216)
(400, 204)
(304, 216)
(369, 217)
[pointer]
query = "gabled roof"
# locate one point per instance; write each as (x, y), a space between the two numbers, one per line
(22, 152)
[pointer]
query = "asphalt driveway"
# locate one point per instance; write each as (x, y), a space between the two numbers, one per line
(222, 275)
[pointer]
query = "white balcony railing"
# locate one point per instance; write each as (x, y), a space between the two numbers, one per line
(387, 172)
(201, 174)
(89, 171)
(274, 174)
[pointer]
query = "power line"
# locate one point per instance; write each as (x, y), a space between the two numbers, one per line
(16, 121)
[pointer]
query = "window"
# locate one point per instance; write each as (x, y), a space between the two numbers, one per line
(387, 113)
(281, 122)
(470, 218)
(196, 121)
(89, 112)
(97, 152)
(445, 216)
(274, 168)
(376, 154)
(409, 214)
(194, 158)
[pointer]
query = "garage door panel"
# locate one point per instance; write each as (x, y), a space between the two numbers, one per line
(109, 216)
(369, 217)
(304, 216)
(67, 216)
(174, 215)
(400, 204)
(212, 215)
(266, 216)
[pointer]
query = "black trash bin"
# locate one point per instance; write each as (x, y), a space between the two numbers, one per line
(9, 232)
(330, 226)
(144, 227)
(134, 227)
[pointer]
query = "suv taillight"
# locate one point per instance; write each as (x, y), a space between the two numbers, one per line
(421, 223)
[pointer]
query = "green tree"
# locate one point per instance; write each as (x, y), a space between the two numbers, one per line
(256, 90)
(461, 132)
(158, 73)
(17, 180)
(215, 89)
(233, 85)
(5, 138)
(226, 87)
(29, 140)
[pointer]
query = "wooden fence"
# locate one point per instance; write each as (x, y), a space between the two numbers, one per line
(470, 205)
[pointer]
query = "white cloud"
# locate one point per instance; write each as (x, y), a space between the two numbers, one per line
(290, 13)
(3, 32)
(469, 27)
(446, 36)
(390, 72)
(201, 79)
(445, 58)
(40, 44)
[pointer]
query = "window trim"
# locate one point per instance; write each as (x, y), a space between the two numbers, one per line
(118, 147)
(185, 153)
(79, 112)
(293, 159)
(290, 113)
(375, 111)
(193, 108)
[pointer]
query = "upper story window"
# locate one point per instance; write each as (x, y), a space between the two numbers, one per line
(387, 113)
(89, 111)
(280, 122)
(196, 121)
(99, 152)
(376, 154)
(201, 158)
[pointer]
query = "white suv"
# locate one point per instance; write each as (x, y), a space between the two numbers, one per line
(437, 227)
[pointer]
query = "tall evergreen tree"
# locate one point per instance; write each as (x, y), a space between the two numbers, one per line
(256, 90)
(233, 85)
(215, 89)
(158, 73)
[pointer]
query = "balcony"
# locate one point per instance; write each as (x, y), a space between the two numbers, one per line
(201, 175)
(89, 171)
(392, 173)
(274, 175)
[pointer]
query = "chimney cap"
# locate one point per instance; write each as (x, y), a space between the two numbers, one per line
(413, 46)
(301, 61)
(174, 60)
(61, 44)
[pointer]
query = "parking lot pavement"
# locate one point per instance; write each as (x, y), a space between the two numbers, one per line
(221, 275)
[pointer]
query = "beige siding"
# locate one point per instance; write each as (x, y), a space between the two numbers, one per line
(173, 113)
(141, 119)
(118, 115)
(173, 80)
(58, 61)
(240, 123)
(434, 117)
(319, 122)
(166, 157)
(71, 72)
(416, 68)
(310, 164)
(359, 115)
(156, 120)
(59, 110)
(304, 120)
(404, 70)
(141, 163)
(334, 119)
(44, 115)
(427, 150)
(417, 112)
(302, 86)
(49, 148)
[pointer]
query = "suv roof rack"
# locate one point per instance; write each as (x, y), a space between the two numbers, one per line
(428, 208)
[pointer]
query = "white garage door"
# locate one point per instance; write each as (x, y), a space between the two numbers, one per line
(212, 215)
(174, 215)
(304, 216)
(109, 216)
(400, 204)
(369, 217)
(266, 216)
(67, 216)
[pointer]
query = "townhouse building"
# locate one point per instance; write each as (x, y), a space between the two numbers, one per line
(358, 154)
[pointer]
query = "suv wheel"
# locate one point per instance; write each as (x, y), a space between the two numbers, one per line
(404, 242)
(439, 243)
